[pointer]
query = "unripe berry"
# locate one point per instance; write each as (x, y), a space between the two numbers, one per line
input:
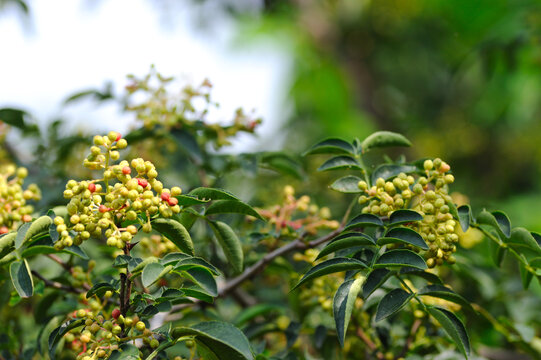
(154, 343)
(98, 140)
(147, 228)
(112, 135)
(362, 185)
(140, 326)
(176, 191)
(380, 182)
(428, 165)
(116, 329)
(81, 313)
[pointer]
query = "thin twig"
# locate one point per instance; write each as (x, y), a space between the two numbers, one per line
(364, 337)
(416, 324)
(59, 261)
(56, 284)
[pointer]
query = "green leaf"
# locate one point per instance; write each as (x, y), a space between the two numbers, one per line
(176, 232)
(135, 265)
(13, 117)
(252, 312)
(520, 237)
(191, 262)
(226, 341)
(21, 234)
(364, 220)
(525, 276)
(230, 244)
(331, 266)
(7, 243)
(331, 146)
(403, 235)
(198, 293)
(212, 194)
(388, 171)
(445, 293)
(384, 139)
(404, 216)
(454, 328)
(59, 332)
(503, 222)
(391, 303)
(497, 252)
(375, 279)
(345, 241)
(38, 250)
(343, 303)
(428, 276)
(464, 217)
(121, 261)
(203, 277)
(189, 200)
(37, 227)
(126, 352)
(339, 162)
(401, 257)
(77, 251)
(232, 207)
(21, 278)
(281, 163)
(152, 272)
(99, 289)
(347, 184)
(452, 208)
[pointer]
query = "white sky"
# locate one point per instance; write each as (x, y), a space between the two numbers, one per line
(71, 46)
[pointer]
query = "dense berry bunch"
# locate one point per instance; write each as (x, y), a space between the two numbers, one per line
(156, 245)
(187, 109)
(128, 193)
(298, 214)
(13, 198)
(428, 195)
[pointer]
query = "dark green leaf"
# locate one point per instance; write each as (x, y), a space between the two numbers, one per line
(388, 171)
(331, 266)
(281, 163)
(37, 227)
(21, 278)
(230, 244)
(226, 341)
(231, 207)
(347, 184)
(452, 208)
(198, 293)
(428, 276)
(331, 146)
(189, 263)
(7, 243)
(375, 279)
(188, 200)
(173, 258)
(498, 253)
(99, 289)
(343, 303)
(151, 273)
(59, 332)
(37, 250)
(203, 277)
(521, 237)
(339, 162)
(176, 232)
(445, 293)
(403, 235)
(384, 139)
(464, 217)
(126, 352)
(76, 251)
(212, 194)
(401, 257)
(345, 241)
(13, 117)
(404, 216)
(503, 222)
(252, 312)
(525, 276)
(21, 234)
(454, 328)
(487, 218)
(391, 303)
(122, 261)
(364, 220)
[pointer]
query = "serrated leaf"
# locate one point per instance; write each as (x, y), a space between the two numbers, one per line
(339, 162)
(99, 289)
(21, 278)
(226, 341)
(445, 293)
(454, 328)
(232, 207)
(520, 237)
(152, 272)
(464, 217)
(401, 257)
(364, 220)
(345, 241)
(337, 264)
(391, 303)
(347, 184)
(403, 235)
(404, 216)
(331, 146)
(39, 226)
(176, 232)
(343, 303)
(374, 280)
(230, 244)
(384, 139)
(212, 194)
(388, 171)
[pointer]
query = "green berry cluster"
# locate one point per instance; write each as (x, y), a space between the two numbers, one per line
(127, 192)
(157, 245)
(428, 195)
(13, 197)
(100, 335)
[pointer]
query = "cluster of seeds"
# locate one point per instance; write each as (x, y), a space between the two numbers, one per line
(100, 335)
(128, 192)
(187, 109)
(296, 214)
(156, 245)
(13, 197)
(428, 195)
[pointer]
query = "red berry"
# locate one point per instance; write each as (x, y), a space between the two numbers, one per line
(126, 170)
(118, 136)
(165, 196)
(172, 201)
(4, 229)
(92, 187)
(27, 218)
(115, 314)
(142, 182)
(103, 208)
